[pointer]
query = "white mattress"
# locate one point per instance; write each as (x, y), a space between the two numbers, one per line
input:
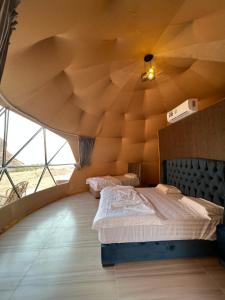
(173, 219)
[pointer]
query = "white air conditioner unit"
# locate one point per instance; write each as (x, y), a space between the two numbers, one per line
(183, 110)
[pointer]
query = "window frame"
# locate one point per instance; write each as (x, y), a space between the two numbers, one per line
(4, 164)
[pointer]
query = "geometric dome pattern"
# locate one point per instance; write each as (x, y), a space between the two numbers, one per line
(75, 66)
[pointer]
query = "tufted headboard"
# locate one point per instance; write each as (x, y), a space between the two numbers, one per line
(197, 177)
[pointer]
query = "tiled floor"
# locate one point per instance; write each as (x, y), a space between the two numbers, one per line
(54, 254)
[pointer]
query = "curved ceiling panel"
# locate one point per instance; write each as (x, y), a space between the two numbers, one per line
(75, 65)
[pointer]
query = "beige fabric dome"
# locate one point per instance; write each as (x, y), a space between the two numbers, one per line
(75, 65)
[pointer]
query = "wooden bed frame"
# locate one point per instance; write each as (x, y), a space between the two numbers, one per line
(197, 177)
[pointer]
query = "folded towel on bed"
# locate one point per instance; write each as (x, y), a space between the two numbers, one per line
(124, 203)
(126, 197)
(124, 194)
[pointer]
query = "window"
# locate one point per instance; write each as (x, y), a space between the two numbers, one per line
(32, 158)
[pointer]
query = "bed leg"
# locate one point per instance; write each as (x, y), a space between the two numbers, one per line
(108, 255)
(108, 265)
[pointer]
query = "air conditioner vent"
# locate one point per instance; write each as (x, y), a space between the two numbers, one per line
(183, 110)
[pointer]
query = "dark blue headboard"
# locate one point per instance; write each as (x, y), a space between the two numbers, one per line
(197, 177)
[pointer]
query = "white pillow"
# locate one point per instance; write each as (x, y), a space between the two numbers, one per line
(168, 189)
(130, 175)
(195, 206)
(212, 208)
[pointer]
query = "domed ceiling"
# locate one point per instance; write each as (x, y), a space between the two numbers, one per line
(75, 65)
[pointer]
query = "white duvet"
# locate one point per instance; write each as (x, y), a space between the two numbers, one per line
(146, 214)
(121, 206)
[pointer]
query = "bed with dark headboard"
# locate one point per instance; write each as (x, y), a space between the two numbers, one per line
(197, 177)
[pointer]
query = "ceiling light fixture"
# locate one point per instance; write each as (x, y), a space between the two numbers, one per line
(149, 73)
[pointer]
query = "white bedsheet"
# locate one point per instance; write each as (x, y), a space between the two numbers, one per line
(173, 219)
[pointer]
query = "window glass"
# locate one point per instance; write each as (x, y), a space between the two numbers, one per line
(46, 181)
(65, 156)
(62, 174)
(2, 119)
(53, 143)
(19, 132)
(7, 194)
(33, 154)
(2, 110)
(30, 166)
(29, 175)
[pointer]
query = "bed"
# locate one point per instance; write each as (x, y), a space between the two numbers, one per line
(96, 184)
(195, 177)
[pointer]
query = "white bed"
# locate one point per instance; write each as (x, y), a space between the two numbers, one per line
(154, 216)
(96, 184)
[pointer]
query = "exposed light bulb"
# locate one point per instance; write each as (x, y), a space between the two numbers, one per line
(151, 73)
(144, 76)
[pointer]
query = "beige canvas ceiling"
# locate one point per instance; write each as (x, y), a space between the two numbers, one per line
(75, 66)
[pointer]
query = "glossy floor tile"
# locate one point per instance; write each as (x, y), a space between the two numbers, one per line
(54, 254)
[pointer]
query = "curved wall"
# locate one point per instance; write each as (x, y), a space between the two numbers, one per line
(15, 211)
(75, 66)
